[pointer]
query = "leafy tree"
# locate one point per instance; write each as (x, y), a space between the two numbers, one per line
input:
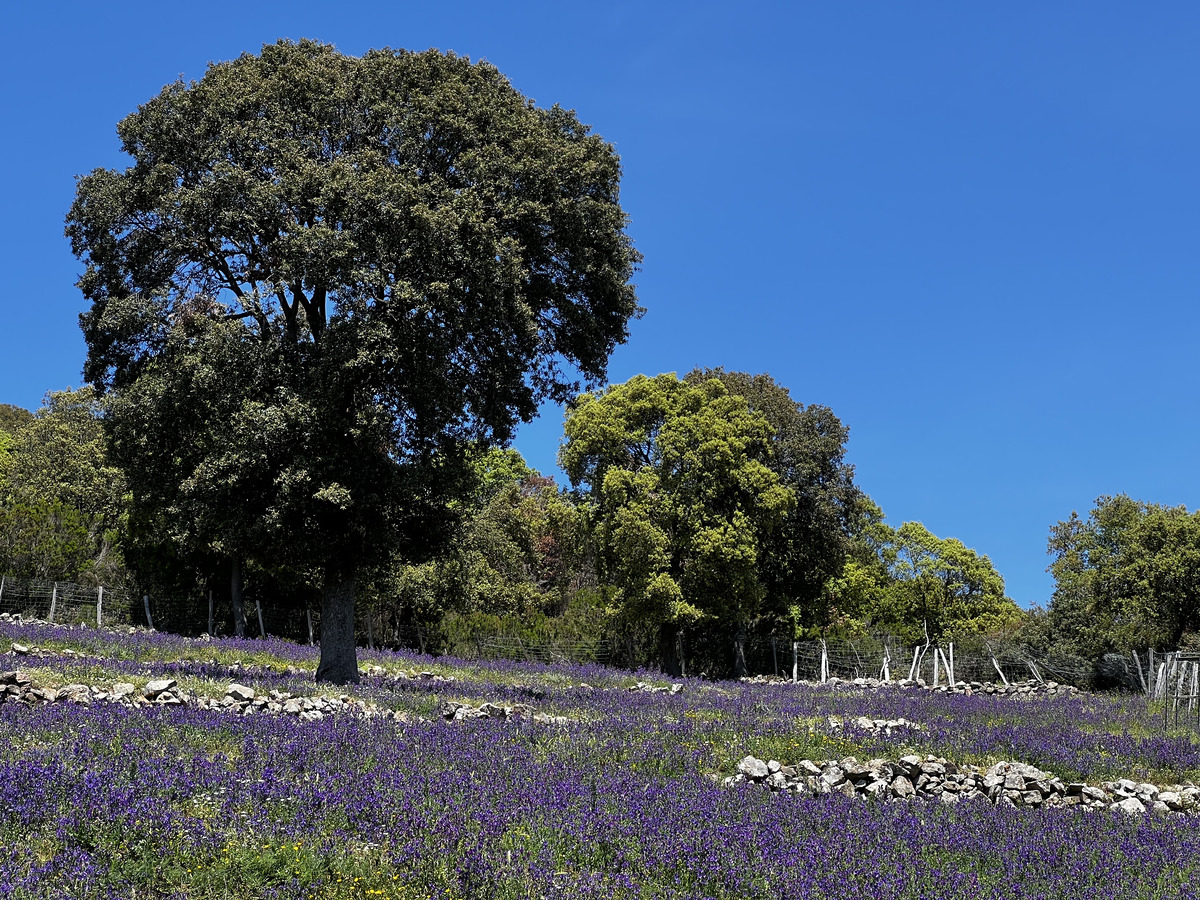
(58, 469)
(941, 585)
(1126, 576)
(682, 498)
(516, 552)
(811, 543)
(408, 254)
(13, 418)
(43, 539)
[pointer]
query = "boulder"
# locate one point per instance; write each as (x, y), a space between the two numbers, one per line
(753, 768)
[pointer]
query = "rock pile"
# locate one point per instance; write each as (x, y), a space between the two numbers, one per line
(932, 778)
(645, 687)
(1013, 689)
(875, 726)
(457, 712)
(242, 700)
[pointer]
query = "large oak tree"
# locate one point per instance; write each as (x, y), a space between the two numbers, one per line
(406, 254)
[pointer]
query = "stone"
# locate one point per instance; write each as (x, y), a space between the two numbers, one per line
(1147, 793)
(1131, 805)
(240, 693)
(1032, 773)
(1171, 799)
(121, 689)
(753, 768)
(902, 788)
(833, 776)
(154, 688)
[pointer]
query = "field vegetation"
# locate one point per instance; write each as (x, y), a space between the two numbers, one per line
(106, 800)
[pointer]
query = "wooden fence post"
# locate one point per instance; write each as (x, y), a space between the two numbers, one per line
(795, 662)
(1141, 677)
(999, 671)
(211, 631)
(100, 606)
(146, 603)
(936, 660)
(370, 631)
(53, 601)
(775, 655)
(308, 612)
(953, 677)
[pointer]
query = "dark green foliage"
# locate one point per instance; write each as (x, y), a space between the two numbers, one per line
(13, 418)
(378, 262)
(811, 543)
(1126, 576)
(46, 540)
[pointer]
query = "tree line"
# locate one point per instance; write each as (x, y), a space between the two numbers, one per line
(706, 505)
(320, 299)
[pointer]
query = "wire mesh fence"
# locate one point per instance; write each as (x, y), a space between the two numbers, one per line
(64, 602)
(715, 652)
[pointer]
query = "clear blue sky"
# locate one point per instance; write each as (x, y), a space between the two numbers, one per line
(970, 229)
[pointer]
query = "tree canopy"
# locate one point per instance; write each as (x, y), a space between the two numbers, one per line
(62, 501)
(682, 496)
(808, 448)
(1128, 575)
(384, 259)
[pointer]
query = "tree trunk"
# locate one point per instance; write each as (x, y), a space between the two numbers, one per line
(669, 647)
(339, 656)
(739, 654)
(235, 598)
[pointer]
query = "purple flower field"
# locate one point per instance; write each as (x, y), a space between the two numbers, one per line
(105, 801)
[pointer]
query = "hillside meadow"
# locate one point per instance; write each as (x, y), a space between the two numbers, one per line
(154, 766)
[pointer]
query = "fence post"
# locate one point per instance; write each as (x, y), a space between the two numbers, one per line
(308, 612)
(262, 632)
(53, 601)
(999, 671)
(824, 662)
(100, 606)
(211, 631)
(1, 587)
(682, 661)
(370, 631)
(795, 662)
(936, 660)
(146, 603)
(953, 677)
(1141, 676)
(775, 655)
